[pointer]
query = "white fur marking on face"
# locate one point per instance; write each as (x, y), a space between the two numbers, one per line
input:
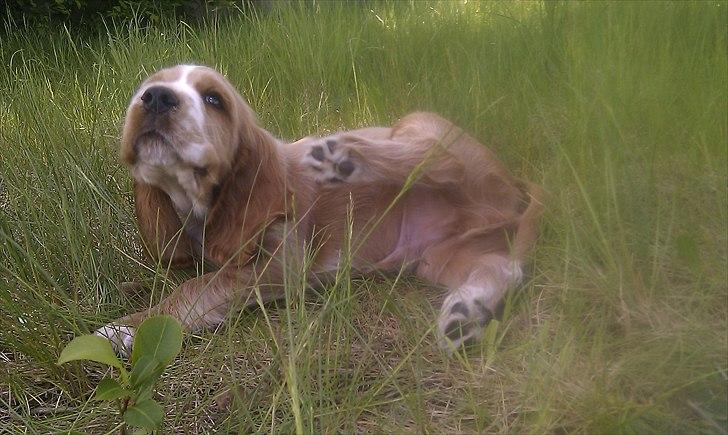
(183, 86)
(195, 153)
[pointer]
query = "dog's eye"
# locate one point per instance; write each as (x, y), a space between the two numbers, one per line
(213, 100)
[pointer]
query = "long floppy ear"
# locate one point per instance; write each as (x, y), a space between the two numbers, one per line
(160, 227)
(251, 197)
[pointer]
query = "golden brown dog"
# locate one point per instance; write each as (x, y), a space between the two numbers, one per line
(421, 195)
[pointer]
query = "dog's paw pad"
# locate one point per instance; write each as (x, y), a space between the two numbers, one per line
(462, 319)
(484, 314)
(121, 337)
(345, 168)
(331, 161)
(317, 152)
(457, 328)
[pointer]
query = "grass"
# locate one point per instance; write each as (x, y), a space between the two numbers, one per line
(618, 109)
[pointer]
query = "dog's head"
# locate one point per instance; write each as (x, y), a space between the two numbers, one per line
(189, 137)
(183, 128)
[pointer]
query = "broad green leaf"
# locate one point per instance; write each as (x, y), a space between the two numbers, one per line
(145, 371)
(159, 337)
(109, 389)
(147, 414)
(90, 347)
(144, 393)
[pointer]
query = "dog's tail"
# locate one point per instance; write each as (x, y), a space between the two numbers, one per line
(528, 222)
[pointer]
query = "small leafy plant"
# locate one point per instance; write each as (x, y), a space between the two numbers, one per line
(157, 341)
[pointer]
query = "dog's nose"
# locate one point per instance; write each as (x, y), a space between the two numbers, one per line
(159, 99)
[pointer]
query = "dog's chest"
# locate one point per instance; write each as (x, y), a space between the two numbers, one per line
(175, 181)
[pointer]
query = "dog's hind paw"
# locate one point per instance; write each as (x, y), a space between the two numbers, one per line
(463, 317)
(121, 337)
(332, 162)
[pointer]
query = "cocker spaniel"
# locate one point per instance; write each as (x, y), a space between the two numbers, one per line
(422, 196)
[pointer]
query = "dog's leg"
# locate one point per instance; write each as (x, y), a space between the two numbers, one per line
(469, 307)
(203, 302)
(355, 159)
(476, 285)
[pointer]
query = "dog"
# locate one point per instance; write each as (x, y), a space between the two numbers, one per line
(421, 196)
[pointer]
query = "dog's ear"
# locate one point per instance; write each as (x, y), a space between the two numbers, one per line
(251, 196)
(160, 226)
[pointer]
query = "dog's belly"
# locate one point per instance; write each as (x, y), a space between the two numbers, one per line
(382, 237)
(426, 219)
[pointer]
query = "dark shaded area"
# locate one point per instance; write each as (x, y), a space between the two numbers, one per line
(90, 15)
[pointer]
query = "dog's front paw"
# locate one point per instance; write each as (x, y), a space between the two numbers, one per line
(463, 318)
(332, 161)
(120, 336)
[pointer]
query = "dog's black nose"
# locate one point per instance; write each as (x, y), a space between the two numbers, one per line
(159, 99)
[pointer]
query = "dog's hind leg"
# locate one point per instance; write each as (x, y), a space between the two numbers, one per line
(476, 286)
(350, 158)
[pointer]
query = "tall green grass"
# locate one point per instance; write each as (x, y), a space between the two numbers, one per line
(618, 109)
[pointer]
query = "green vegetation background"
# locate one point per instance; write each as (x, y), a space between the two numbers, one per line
(618, 109)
